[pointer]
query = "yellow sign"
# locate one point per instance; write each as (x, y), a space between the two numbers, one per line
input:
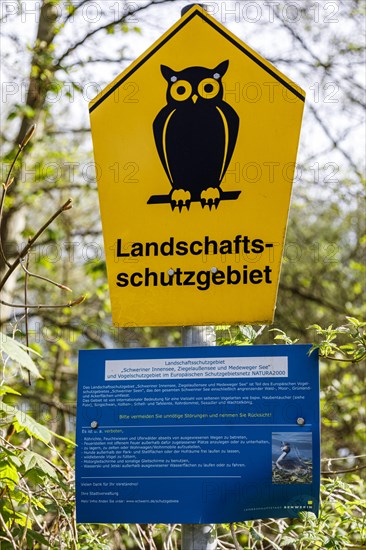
(195, 147)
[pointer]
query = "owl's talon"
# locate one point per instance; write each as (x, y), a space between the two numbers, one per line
(182, 204)
(180, 198)
(210, 197)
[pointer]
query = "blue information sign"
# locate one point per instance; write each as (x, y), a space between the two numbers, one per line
(197, 435)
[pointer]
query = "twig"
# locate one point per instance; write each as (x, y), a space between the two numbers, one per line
(335, 141)
(28, 273)
(74, 9)
(111, 24)
(317, 299)
(233, 534)
(8, 182)
(10, 500)
(336, 472)
(168, 541)
(135, 538)
(45, 306)
(8, 533)
(1, 241)
(3, 195)
(66, 206)
(22, 540)
(343, 360)
(342, 458)
(26, 313)
(64, 407)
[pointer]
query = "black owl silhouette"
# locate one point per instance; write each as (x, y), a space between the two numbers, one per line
(195, 136)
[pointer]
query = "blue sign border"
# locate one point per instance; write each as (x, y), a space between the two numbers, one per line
(197, 457)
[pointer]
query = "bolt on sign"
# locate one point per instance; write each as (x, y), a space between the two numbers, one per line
(195, 146)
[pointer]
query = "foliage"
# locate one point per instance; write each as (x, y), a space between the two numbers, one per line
(17, 352)
(34, 489)
(353, 351)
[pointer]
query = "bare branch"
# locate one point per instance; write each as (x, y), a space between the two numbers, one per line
(342, 360)
(311, 297)
(67, 408)
(8, 182)
(107, 26)
(66, 206)
(26, 311)
(74, 10)
(8, 533)
(2, 253)
(30, 274)
(336, 472)
(233, 534)
(86, 331)
(97, 60)
(45, 306)
(335, 141)
(299, 38)
(69, 131)
(342, 458)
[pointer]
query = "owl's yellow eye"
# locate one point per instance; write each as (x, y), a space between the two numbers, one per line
(208, 88)
(181, 90)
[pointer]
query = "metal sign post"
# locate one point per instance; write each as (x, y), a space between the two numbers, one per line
(198, 536)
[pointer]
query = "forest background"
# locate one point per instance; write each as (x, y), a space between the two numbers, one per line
(56, 56)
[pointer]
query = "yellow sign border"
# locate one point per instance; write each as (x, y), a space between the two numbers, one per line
(195, 16)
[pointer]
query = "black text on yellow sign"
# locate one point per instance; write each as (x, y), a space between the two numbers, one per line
(195, 178)
(202, 279)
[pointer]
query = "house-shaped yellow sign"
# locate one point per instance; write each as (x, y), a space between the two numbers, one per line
(195, 146)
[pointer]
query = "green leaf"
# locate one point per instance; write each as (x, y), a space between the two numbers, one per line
(38, 504)
(15, 460)
(25, 422)
(34, 476)
(29, 460)
(63, 438)
(6, 389)
(18, 352)
(8, 409)
(249, 332)
(8, 473)
(34, 460)
(355, 322)
(33, 535)
(19, 517)
(22, 519)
